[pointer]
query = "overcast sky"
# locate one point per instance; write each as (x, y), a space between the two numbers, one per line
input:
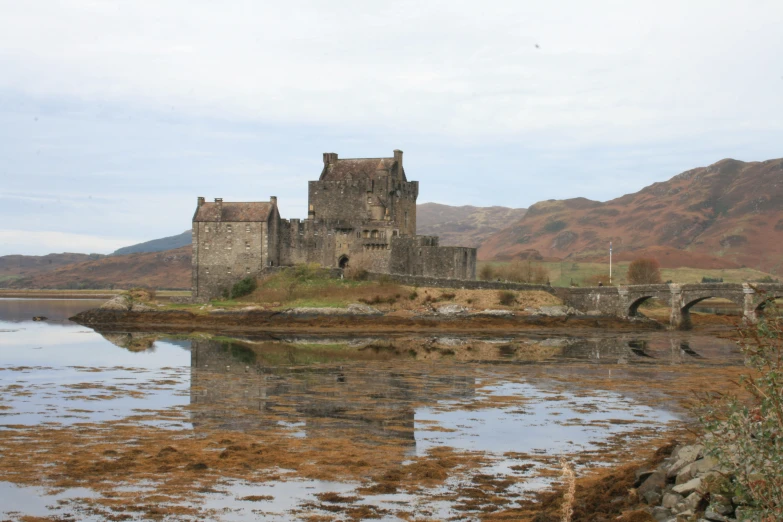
(116, 115)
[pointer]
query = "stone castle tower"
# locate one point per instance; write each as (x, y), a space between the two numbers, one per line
(360, 211)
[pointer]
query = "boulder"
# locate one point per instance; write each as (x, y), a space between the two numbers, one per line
(452, 309)
(362, 309)
(689, 453)
(553, 311)
(496, 313)
(120, 303)
(670, 500)
(711, 514)
(141, 307)
(661, 514)
(655, 482)
(688, 487)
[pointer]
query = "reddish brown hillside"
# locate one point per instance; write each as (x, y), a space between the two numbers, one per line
(727, 214)
(463, 226)
(168, 269)
(19, 265)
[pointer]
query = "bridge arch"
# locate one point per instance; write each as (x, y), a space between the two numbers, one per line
(758, 308)
(689, 300)
(633, 308)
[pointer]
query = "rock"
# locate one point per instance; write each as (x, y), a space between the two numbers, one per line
(452, 309)
(670, 500)
(721, 504)
(652, 497)
(363, 309)
(661, 514)
(40, 318)
(711, 514)
(692, 500)
(675, 468)
(120, 303)
(743, 514)
(654, 482)
(553, 311)
(141, 307)
(498, 313)
(688, 487)
(641, 476)
(690, 453)
(685, 516)
(704, 465)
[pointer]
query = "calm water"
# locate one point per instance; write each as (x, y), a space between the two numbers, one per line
(409, 396)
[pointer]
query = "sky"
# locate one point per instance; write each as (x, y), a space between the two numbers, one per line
(116, 115)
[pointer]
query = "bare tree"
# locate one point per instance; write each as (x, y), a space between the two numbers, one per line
(644, 271)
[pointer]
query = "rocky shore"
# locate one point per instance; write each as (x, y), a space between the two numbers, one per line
(688, 486)
(125, 314)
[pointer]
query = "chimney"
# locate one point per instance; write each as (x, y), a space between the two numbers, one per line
(219, 205)
(199, 201)
(273, 200)
(398, 157)
(330, 157)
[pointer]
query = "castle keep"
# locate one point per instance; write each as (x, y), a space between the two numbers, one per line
(360, 212)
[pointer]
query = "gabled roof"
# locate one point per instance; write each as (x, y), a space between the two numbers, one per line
(359, 168)
(234, 211)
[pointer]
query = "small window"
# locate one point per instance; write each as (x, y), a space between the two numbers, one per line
(206, 228)
(206, 246)
(206, 271)
(247, 269)
(228, 270)
(247, 245)
(228, 228)
(247, 228)
(228, 246)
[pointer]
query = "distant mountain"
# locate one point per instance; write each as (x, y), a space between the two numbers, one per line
(17, 266)
(728, 214)
(464, 226)
(170, 269)
(157, 245)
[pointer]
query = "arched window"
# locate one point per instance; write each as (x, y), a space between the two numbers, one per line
(375, 234)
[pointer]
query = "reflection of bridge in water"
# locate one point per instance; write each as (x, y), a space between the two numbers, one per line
(624, 301)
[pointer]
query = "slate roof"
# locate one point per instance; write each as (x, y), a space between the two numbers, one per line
(358, 168)
(234, 211)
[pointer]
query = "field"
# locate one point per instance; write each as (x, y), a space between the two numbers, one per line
(565, 273)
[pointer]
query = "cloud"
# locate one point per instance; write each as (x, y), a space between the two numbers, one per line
(44, 242)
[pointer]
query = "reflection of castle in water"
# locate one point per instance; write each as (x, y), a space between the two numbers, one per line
(247, 387)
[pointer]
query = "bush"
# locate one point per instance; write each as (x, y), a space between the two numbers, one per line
(706, 279)
(523, 272)
(486, 272)
(447, 296)
(644, 271)
(244, 287)
(746, 434)
(507, 298)
(413, 295)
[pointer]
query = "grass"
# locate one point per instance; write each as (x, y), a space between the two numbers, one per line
(563, 273)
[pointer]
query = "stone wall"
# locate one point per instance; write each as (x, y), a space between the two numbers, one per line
(421, 256)
(442, 282)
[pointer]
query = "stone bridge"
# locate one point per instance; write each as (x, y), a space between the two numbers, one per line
(624, 301)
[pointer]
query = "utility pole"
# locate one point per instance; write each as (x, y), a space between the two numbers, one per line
(610, 262)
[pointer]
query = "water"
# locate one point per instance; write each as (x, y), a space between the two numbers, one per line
(213, 427)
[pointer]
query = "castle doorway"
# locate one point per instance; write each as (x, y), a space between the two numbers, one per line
(343, 262)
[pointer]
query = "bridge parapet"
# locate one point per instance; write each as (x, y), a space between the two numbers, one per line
(624, 301)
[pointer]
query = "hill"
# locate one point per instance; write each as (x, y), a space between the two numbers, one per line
(169, 269)
(16, 266)
(463, 226)
(157, 245)
(729, 214)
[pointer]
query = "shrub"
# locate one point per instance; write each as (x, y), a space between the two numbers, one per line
(413, 295)
(507, 298)
(486, 272)
(243, 287)
(644, 271)
(706, 279)
(523, 272)
(746, 434)
(447, 296)
(378, 300)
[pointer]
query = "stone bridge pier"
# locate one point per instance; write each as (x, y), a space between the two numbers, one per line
(624, 301)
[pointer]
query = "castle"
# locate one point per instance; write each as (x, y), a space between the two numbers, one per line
(361, 211)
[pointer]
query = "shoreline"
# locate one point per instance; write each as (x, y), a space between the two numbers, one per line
(255, 321)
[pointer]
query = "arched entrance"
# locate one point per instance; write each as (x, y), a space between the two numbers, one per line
(343, 262)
